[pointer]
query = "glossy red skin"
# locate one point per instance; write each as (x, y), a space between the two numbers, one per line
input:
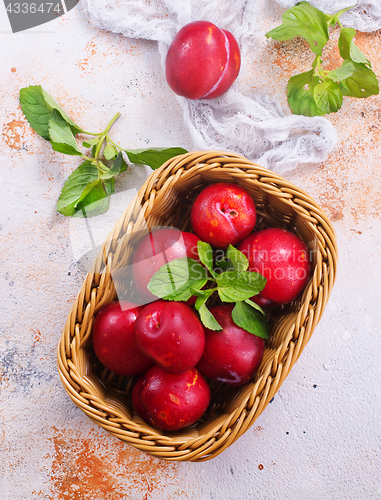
(114, 341)
(171, 334)
(282, 258)
(155, 250)
(231, 355)
(264, 303)
(223, 213)
(203, 61)
(168, 401)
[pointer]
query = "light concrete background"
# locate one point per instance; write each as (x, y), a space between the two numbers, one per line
(320, 436)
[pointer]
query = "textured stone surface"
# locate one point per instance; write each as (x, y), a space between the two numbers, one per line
(320, 436)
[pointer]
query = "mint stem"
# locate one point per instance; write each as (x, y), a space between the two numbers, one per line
(97, 134)
(116, 145)
(104, 136)
(113, 120)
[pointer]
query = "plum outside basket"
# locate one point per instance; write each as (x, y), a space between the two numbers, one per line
(165, 200)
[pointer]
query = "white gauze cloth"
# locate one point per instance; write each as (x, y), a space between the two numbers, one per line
(255, 126)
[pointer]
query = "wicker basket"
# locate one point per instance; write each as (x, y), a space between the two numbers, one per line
(165, 200)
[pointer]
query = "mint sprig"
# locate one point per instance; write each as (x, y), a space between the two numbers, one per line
(318, 92)
(87, 191)
(182, 278)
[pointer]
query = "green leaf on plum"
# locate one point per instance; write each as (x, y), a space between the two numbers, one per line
(207, 319)
(202, 296)
(235, 286)
(238, 259)
(251, 320)
(185, 292)
(177, 277)
(205, 253)
(256, 306)
(182, 278)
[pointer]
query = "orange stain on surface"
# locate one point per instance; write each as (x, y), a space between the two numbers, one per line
(91, 51)
(85, 468)
(36, 335)
(257, 429)
(97, 53)
(13, 132)
(289, 56)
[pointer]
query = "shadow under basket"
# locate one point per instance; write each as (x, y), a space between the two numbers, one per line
(165, 200)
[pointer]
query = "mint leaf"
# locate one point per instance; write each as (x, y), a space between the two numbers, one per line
(238, 259)
(305, 21)
(118, 166)
(37, 106)
(76, 183)
(154, 157)
(176, 276)
(110, 152)
(362, 83)
(309, 96)
(300, 94)
(49, 101)
(186, 291)
(348, 49)
(95, 199)
(225, 265)
(318, 92)
(92, 209)
(87, 190)
(202, 295)
(328, 96)
(255, 306)
(205, 253)
(344, 71)
(84, 194)
(235, 286)
(61, 135)
(36, 111)
(250, 320)
(207, 318)
(91, 142)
